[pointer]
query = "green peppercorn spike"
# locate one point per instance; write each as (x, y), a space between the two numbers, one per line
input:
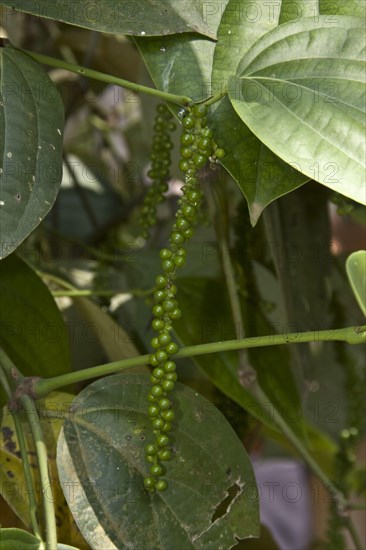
(197, 146)
(159, 171)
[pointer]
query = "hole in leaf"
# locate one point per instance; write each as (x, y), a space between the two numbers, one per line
(242, 544)
(223, 507)
(18, 196)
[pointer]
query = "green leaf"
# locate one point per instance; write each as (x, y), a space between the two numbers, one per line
(33, 332)
(52, 411)
(356, 271)
(300, 90)
(31, 126)
(261, 175)
(10, 539)
(101, 455)
(182, 64)
(146, 17)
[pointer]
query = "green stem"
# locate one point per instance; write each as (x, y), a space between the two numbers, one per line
(25, 459)
(90, 250)
(41, 452)
(247, 372)
(57, 280)
(87, 292)
(351, 335)
(182, 100)
(76, 292)
(27, 475)
(231, 286)
(4, 382)
(216, 97)
(353, 533)
(10, 369)
(351, 506)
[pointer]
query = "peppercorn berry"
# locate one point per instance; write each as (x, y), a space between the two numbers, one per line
(165, 454)
(156, 470)
(162, 440)
(168, 416)
(164, 404)
(149, 482)
(161, 485)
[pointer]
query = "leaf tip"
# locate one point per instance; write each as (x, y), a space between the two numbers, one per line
(255, 210)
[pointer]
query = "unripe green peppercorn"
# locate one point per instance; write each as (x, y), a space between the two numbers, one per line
(200, 111)
(158, 373)
(162, 440)
(157, 423)
(168, 415)
(156, 470)
(165, 454)
(171, 348)
(186, 139)
(188, 122)
(163, 404)
(167, 385)
(168, 266)
(153, 410)
(164, 339)
(161, 485)
(169, 366)
(157, 391)
(161, 281)
(151, 450)
(149, 483)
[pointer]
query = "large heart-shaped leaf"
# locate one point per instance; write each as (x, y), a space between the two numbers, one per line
(31, 126)
(261, 175)
(146, 17)
(33, 332)
(356, 271)
(301, 90)
(101, 457)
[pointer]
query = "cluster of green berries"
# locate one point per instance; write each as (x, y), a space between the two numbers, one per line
(197, 147)
(159, 171)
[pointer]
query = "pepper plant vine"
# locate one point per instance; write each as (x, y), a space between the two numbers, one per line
(271, 100)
